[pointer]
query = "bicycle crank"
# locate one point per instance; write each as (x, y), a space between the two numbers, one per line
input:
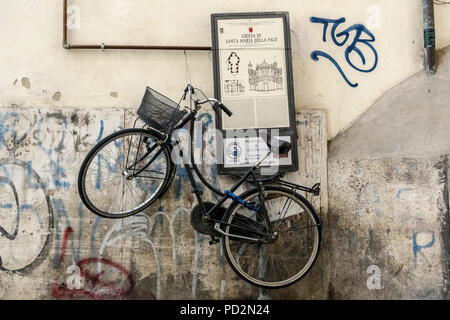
(202, 225)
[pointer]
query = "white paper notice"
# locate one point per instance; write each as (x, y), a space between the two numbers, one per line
(252, 66)
(246, 151)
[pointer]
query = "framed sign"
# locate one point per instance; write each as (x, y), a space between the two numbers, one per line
(252, 65)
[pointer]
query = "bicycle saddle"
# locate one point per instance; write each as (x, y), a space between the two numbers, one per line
(278, 147)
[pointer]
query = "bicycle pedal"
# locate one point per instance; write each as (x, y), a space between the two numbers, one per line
(213, 240)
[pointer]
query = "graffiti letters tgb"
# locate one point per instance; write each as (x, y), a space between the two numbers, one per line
(358, 45)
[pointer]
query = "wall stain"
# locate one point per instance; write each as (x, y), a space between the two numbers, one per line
(26, 83)
(56, 96)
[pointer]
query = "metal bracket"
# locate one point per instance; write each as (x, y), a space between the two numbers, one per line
(316, 189)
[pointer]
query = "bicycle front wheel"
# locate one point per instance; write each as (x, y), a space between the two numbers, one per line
(107, 182)
(289, 255)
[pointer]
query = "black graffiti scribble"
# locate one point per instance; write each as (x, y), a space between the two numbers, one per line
(38, 184)
(3, 232)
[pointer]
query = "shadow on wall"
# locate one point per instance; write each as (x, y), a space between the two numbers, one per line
(410, 120)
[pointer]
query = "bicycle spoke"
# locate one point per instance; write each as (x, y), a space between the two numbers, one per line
(116, 195)
(111, 155)
(282, 216)
(102, 166)
(131, 191)
(147, 177)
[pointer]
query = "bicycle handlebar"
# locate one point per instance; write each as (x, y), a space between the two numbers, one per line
(217, 104)
(225, 109)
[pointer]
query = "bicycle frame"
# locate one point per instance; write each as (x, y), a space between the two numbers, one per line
(192, 168)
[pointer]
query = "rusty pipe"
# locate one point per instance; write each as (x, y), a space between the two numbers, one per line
(67, 45)
(429, 37)
(134, 47)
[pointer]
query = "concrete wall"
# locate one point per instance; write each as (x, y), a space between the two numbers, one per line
(52, 247)
(386, 214)
(36, 71)
(388, 194)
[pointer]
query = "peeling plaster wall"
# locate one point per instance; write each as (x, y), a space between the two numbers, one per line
(46, 232)
(389, 213)
(388, 195)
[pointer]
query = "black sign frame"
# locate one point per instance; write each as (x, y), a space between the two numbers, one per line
(290, 131)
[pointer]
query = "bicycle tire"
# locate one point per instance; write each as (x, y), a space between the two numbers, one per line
(256, 259)
(113, 141)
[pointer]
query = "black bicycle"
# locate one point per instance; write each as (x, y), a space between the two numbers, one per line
(270, 233)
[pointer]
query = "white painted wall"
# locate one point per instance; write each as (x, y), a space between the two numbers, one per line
(31, 50)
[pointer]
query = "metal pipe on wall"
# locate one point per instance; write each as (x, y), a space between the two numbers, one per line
(64, 23)
(103, 46)
(429, 37)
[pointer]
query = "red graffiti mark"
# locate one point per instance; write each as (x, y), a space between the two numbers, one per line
(61, 292)
(96, 286)
(97, 278)
(101, 288)
(67, 232)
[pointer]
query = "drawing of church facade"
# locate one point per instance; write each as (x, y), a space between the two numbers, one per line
(234, 86)
(265, 77)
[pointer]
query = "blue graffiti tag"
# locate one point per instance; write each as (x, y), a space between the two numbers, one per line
(418, 247)
(58, 173)
(360, 30)
(100, 134)
(6, 129)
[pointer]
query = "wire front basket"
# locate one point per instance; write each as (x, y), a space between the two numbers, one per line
(159, 112)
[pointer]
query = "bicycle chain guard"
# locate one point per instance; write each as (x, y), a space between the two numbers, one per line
(203, 226)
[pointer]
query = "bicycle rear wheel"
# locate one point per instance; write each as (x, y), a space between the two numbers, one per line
(279, 262)
(106, 181)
